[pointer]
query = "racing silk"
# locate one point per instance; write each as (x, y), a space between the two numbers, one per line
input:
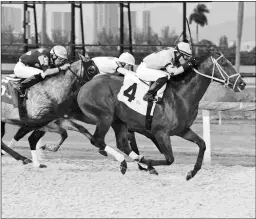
(161, 59)
(106, 65)
(37, 58)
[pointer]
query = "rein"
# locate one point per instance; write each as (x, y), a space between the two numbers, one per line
(225, 80)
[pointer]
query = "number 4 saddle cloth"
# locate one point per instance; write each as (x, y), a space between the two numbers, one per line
(132, 92)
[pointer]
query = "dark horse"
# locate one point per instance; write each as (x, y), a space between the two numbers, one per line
(75, 112)
(47, 101)
(174, 116)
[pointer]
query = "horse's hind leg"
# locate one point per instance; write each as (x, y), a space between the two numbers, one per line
(33, 139)
(134, 147)
(56, 128)
(14, 154)
(98, 139)
(189, 135)
(11, 152)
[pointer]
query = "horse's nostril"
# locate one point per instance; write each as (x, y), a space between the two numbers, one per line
(243, 84)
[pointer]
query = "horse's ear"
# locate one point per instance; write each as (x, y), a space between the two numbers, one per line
(86, 55)
(211, 49)
(85, 58)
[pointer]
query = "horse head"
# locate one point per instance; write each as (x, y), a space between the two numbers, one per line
(218, 68)
(89, 67)
(84, 69)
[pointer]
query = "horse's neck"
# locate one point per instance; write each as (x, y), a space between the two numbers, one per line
(193, 90)
(61, 85)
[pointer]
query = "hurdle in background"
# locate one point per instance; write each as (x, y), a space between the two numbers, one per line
(208, 106)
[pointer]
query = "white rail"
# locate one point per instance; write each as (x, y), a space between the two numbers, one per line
(208, 106)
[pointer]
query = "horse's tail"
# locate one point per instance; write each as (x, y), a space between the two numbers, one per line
(33, 123)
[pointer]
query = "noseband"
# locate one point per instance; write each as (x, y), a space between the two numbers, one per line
(225, 77)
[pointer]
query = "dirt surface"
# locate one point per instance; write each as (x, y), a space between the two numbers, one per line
(79, 182)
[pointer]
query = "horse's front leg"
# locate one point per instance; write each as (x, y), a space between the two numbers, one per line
(163, 143)
(33, 139)
(134, 147)
(121, 134)
(189, 135)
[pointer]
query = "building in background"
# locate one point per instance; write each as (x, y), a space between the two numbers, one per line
(61, 21)
(105, 16)
(11, 17)
(146, 21)
(133, 22)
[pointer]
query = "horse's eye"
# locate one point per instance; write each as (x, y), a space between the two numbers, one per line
(91, 70)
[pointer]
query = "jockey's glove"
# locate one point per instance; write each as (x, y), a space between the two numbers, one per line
(193, 62)
(64, 67)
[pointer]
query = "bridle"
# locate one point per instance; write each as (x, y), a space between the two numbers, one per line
(79, 78)
(225, 77)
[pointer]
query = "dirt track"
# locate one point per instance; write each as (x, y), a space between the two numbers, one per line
(79, 182)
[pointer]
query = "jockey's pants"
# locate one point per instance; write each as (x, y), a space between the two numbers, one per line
(23, 71)
(149, 74)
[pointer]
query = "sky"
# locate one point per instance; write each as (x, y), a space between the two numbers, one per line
(162, 14)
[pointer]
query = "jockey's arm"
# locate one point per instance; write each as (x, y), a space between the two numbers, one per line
(50, 71)
(123, 71)
(172, 70)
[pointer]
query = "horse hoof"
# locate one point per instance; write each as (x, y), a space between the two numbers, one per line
(42, 166)
(102, 152)
(123, 167)
(189, 175)
(153, 171)
(142, 168)
(26, 161)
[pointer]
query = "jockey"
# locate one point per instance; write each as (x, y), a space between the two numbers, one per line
(111, 65)
(36, 64)
(159, 66)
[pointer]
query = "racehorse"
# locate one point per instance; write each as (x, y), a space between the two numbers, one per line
(174, 116)
(80, 117)
(48, 101)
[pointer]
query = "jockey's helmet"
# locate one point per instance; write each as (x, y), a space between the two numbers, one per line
(59, 51)
(127, 57)
(184, 48)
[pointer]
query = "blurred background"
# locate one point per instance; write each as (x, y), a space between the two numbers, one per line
(110, 28)
(103, 28)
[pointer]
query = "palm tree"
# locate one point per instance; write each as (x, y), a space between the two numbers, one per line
(199, 17)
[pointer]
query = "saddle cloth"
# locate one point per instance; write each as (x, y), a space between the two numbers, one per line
(132, 92)
(8, 93)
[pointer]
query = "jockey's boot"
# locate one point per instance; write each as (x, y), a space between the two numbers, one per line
(27, 83)
(150, 95)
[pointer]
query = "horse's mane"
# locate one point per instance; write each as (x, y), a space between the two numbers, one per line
(187, 75)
